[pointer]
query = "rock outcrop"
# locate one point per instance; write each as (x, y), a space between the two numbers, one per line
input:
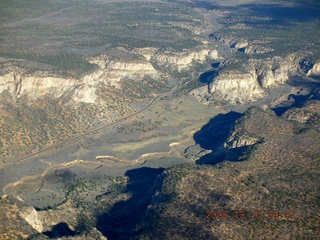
(31, 216)
(315, 70)
(21, 221)
(64, 213)
(237, 140)
(257, 46)
(242, 83)
(113, 69)
(234, 86)
(17, 220)
(34, 86)
(309, 113)
(114, 66)
(181, 61)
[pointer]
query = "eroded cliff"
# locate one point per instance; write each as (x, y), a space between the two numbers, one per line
(248, 80)
(115, 66)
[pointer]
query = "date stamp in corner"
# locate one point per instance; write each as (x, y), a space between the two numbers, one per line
(249, 215)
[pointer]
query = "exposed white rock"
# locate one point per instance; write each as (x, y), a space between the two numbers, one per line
(183, 60)
(237, 87)
(84, 90)
(63, 213)
(112, 71)
(315, 70)
(95, 234)
(233, 86)
(31, 216)
(275, 71)
(85, 94)
(237, 140)
(249, 82)
(35, 86)
(118, 70)
(241, 44)
(256, 48)
(120, 64)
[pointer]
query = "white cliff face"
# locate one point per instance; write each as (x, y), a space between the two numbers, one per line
(233, 86)
(315, 70)
(248, 82)
(31, 216)
(64, 213)
(276, 71)
(182, 61)
(133, 65)
(112, 71)
(237, 87)
(32, 86)
(241, 44)
(118, 70)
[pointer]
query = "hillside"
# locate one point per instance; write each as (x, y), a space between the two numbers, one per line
(163, 119)
(272, 192)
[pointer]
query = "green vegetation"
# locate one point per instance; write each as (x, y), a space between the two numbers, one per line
(62, 34)
(282, 29)
(67, 64)
(279, 176)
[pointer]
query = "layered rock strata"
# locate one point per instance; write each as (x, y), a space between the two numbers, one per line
(242, 83)
(134, 64)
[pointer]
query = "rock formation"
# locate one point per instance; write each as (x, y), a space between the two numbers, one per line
(245, 82)
(181, 61)
(115, 66)
(238, 139)
(315, 70)
(309, 113)
(31, 216)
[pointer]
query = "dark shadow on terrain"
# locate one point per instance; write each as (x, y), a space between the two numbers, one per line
(299, 100)
(206, 5)
(280, 110)
(208, 77)
(301, 13)
(120, 222)
(216, 64)
(213, 135)
(179, 226)
(299, 81)
(316, 95)
(219, 156)
(60, 230)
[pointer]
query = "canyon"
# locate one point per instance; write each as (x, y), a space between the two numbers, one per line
(129, 118)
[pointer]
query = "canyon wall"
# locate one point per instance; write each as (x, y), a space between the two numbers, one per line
(134, 64)
(246, 82)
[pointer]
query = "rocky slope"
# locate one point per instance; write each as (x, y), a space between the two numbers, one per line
(182, 61)
(273, 192)
(20, 221)
(120, 64)
(17, 220)
(245, 81)
(40, 108)
(315, 70)
(308, 114)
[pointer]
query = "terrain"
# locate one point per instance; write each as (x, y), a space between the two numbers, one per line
(120, 120)
(272, 190)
